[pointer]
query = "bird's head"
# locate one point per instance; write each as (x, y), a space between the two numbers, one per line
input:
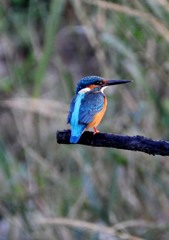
(96, 83)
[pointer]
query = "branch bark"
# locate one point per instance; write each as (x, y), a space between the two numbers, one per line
(133, 143)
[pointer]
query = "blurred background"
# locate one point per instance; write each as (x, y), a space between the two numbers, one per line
(45, 48)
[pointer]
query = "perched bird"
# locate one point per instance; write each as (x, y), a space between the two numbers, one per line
(89, 104)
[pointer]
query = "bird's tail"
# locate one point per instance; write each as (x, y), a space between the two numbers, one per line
(76, 133)
(74, 139)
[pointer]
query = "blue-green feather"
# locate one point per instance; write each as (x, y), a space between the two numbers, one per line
(91, 104)
(87, 81)
(83, 108)
(73, 117)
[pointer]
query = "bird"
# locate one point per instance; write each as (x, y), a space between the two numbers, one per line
(89, 104)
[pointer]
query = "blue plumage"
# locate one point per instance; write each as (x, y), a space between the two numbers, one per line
(87, 81)
(73, 118)
(83, 108)
(72, 104)
(91, 104)
(88, 101)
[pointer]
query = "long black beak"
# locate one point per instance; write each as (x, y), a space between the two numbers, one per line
(115, 82)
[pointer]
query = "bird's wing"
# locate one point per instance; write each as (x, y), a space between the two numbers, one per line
(91, 104)
(72, 104)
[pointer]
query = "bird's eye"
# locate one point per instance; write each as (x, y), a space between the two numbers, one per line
(98, 83)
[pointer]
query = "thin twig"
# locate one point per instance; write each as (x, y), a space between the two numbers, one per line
(86, 226)
(134, 143)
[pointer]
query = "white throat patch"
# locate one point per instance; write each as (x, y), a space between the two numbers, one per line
(82, 91)
(102, 89)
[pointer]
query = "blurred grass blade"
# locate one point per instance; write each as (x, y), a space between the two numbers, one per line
(4, 161)
(133, 65)
(51, 28)
(90, 191)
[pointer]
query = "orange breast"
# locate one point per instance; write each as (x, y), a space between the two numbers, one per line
(98, 117)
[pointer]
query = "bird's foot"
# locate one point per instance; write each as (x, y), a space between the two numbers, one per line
(95, 130)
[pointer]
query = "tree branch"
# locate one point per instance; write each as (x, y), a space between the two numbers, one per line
(134, 143)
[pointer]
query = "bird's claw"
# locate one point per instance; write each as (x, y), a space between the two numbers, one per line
(95, 130)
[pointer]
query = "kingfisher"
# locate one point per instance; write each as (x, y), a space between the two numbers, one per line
(89, 104)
